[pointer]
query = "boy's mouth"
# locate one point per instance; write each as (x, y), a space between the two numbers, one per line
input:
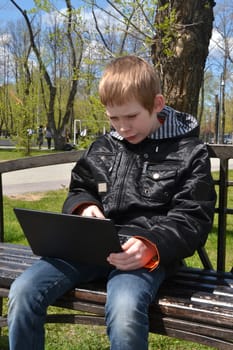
(128, 138)
(131, 139)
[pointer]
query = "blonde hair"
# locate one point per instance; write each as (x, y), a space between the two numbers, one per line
(127, 78)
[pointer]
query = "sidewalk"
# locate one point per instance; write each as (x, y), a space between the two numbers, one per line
(39, 179)
(6, 143)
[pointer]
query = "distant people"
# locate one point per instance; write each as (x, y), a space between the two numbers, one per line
(67, 133)
(83, 133)
(48, 136)
(40, 138)
(29, 132)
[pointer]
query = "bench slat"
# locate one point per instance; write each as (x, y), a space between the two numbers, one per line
(222, 290)
(76, 319)
(197, 338)
(185, 309)
(200, 328)
(214, 299)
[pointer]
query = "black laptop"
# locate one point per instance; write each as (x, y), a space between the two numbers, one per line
(69, 237)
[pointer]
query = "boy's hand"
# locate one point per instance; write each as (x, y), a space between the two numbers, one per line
(91, 210)
(136, 254)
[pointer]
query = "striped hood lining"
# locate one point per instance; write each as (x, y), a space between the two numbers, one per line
(176, 124)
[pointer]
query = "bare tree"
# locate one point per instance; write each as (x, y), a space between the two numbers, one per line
(71, 34)
(124, 26)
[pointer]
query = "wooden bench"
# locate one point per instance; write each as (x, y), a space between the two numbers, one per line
(196, 304)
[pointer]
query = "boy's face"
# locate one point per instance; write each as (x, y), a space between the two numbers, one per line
(132, 121)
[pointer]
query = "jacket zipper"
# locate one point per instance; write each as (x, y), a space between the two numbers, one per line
(126, 165)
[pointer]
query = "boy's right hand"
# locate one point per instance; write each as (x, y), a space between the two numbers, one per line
(91, 210)
(136, 254)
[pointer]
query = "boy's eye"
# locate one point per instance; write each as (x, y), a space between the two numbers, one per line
(113, 119)
(132, 116)
(116, 118)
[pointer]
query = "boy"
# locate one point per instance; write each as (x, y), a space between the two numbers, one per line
(151, 175)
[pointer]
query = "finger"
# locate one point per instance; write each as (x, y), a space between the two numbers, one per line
(122, 259)
(128, 243)
(97, 212)
(93, 211)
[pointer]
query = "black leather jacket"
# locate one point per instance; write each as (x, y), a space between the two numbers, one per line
(160, 189)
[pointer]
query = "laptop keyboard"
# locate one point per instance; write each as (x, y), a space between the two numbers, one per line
(123, 238)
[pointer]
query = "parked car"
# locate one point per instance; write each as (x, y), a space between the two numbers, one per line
(228, 139)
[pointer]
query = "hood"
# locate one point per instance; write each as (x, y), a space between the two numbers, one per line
(174, 124)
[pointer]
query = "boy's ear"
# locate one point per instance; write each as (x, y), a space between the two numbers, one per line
(159, 103)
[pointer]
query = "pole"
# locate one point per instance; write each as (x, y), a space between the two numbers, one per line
(222, 86)
(216, 119)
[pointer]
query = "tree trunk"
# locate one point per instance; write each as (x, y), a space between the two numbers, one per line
(180, 50)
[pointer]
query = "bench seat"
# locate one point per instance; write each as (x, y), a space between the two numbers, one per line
(195, 304)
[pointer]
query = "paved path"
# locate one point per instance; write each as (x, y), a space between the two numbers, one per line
(47, 178)
(40, 179)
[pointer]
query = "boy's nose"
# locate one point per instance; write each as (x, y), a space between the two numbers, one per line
(124, 127)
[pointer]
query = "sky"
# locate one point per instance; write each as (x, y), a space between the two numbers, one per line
(9, 12)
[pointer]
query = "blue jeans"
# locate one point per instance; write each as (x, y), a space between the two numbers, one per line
(128, 297)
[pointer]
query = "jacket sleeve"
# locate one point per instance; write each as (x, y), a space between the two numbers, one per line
(82, 188)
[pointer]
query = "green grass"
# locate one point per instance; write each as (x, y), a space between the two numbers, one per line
(80, 337)
(51, 200)
(14, 153)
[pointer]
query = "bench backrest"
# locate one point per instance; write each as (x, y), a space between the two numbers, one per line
(223, 152)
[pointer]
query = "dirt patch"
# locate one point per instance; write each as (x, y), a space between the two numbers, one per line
(30, 197)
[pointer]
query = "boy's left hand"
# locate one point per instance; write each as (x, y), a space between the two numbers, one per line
(136, 254)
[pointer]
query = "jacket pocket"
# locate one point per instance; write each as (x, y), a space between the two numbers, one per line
(157, 183)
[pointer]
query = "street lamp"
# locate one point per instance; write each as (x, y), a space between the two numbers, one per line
(217, 116)
(222, 105)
